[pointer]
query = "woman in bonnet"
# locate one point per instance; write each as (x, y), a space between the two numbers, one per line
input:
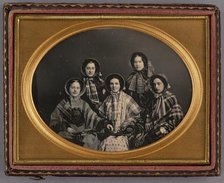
(95, 89)
(73, 119)
(136, 83)
(122, 112)
(164, 111)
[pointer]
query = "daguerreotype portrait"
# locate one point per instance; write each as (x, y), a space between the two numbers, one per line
(112, 89)
(99, 103)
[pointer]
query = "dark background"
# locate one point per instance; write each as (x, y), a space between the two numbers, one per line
(112, 47)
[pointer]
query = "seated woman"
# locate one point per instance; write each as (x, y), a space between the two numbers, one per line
(73, 119)
(164, 111)
(122, 112)
(95, 89)
(136, 84)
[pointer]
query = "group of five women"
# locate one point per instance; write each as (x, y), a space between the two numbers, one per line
(114, 115)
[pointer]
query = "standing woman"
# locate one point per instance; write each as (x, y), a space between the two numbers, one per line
(95, 89)
(165, 113)
(73, 119)
(136, 84)
(122, 112)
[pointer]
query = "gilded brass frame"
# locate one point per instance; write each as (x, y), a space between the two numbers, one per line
(202, 93)
(197, 88)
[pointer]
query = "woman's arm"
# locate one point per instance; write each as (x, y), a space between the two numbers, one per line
(56, 121)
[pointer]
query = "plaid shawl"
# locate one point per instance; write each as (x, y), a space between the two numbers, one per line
(91, 90)
(119, 108)
(137, 83)
(166, 111)
(61, 117)
(137, 80)
(116, 106)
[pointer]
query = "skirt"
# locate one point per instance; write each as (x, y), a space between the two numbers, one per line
(113, 144)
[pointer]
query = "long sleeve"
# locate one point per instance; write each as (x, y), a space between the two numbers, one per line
(132, 110)
(172, 117)
(90, 116)
(57, 121)
(175, 116)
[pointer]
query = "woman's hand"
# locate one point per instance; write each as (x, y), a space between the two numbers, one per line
(103, 91)
(110, 127)
(71, 130)
(163, 130)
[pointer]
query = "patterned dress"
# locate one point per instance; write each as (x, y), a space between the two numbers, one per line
(122, 111)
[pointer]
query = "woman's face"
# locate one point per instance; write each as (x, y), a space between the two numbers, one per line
(138, 63)
(115, 85)
(74, 89)
(158, 85)
(90, 69)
